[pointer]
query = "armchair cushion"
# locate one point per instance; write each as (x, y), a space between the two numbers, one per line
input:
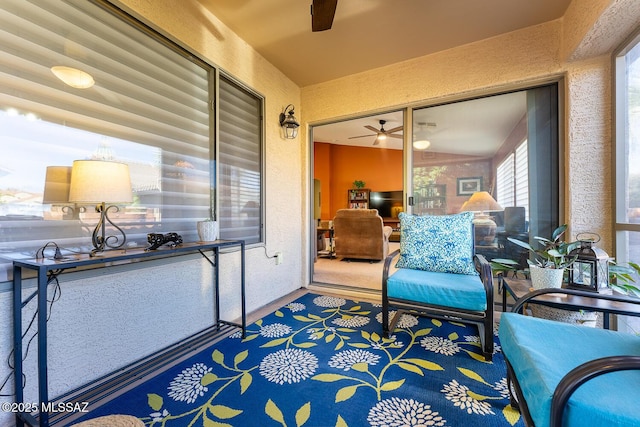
(438, 243)
(360, 234)
(434, 288)
(542, 351)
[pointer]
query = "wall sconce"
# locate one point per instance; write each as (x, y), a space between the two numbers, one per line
(101, 182)
(289, 123)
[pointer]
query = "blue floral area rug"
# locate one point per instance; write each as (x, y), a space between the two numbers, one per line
(322, 361)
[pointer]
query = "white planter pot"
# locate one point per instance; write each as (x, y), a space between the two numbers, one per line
(207, 230)
(546, 277)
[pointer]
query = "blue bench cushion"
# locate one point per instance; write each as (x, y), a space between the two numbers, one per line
(449, 290)
(542, 351)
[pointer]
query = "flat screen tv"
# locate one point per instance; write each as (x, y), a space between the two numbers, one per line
(384, 201)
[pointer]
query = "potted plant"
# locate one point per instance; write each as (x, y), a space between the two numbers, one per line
(621, 278)
(208, 228)
(549, 260)
(358, 184)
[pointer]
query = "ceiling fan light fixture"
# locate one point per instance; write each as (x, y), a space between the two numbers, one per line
(382, 136)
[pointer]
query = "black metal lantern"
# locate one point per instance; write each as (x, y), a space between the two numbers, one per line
(590, 270)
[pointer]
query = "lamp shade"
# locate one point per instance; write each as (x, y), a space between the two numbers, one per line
(56, 185)
(481, 201)
(97, 181)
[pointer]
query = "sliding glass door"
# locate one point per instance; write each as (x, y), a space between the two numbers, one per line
(496, 156)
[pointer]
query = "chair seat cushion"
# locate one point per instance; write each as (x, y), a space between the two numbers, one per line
(542, 351)
(461, 291)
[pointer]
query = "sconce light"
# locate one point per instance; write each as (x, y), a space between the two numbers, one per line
(73, 77)
(101, 182)
(289, 123)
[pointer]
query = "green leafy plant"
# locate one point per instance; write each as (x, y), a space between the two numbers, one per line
(552, 253)
(621, 278)
(504, 266)
(358, 184)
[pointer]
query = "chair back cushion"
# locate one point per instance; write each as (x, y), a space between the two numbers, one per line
(439, 243)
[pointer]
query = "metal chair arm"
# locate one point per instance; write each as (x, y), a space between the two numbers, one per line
(583, 373)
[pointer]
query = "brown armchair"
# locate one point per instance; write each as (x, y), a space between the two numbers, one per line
(361, 234)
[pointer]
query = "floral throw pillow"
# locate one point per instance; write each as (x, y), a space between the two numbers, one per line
(440, 243)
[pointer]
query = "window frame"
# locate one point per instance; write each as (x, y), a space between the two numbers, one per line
(621, 226)
(213, 101)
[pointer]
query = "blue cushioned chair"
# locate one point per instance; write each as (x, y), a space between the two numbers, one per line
(569, 375)
(439, 275)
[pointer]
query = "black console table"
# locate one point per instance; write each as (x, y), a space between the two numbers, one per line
(47, 267)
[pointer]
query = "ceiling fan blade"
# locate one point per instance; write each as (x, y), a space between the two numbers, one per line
(372, 129)
(376, 142)
(322, 13)
(361, 136)
(396, 129)
(395, 136)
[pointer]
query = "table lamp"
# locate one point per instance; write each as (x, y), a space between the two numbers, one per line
(56, 190)
(101, 182)
(485, 228)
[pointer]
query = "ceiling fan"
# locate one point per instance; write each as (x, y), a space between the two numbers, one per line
(322, 12)
(380, 134)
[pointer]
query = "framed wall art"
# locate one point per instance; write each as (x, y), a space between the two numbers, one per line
(468, 186)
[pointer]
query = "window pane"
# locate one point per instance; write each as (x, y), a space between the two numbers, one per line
(506, 145)
(632, 166)
(240, 162)
(505, 182)
(147, 108)
(522, 177)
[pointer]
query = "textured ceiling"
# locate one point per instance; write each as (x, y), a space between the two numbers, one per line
(368, 34)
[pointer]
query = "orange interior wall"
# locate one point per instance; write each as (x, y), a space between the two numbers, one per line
(337, 166)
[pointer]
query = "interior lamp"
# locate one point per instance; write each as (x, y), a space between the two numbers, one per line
(485, 228)
(102, 183)
(56, 190)
(73, 77)
(56, 185)
(420, 138)
(289, 122)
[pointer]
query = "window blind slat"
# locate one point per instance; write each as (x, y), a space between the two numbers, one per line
(240, 166)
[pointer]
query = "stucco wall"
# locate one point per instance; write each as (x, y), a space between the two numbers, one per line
(106, 318)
